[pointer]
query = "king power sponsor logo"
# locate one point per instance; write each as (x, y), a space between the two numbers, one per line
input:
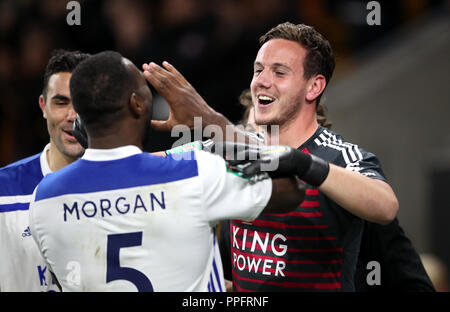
(244, 247)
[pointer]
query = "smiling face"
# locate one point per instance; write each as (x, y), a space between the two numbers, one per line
(60, 115)
(278, 87)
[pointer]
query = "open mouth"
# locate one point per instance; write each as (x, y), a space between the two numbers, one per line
(69, 133)
(265, 100)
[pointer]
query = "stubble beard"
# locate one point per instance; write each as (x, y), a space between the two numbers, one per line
(284, 120)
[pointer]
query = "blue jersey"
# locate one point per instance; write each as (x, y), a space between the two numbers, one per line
(123, 220)
(21, 265)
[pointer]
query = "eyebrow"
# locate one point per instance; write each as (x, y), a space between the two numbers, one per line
(274, 65)
(60, 97)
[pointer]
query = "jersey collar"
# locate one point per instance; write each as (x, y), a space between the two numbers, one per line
(45, 168)
(110, 154)
(312, 138)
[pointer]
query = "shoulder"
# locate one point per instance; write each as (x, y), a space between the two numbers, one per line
(21, 177)
(84, 176)
(332, 147)
(172, 167)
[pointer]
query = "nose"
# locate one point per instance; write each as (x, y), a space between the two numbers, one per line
(71, 114)
(263, 79)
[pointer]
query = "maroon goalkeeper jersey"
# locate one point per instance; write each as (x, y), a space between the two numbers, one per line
(312, 248)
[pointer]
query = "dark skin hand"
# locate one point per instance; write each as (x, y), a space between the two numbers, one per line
(185, 103)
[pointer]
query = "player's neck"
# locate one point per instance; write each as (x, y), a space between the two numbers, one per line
(111, 142)
(122, 134)
(296, 132)
(57, 160)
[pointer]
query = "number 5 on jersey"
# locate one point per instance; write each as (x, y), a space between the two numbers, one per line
(116, 272)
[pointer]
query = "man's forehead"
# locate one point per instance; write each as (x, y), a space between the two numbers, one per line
(59, 83)
(281, 48)
(281, 53)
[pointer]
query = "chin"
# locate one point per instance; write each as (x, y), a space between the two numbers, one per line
(266, 121)
(74, 151)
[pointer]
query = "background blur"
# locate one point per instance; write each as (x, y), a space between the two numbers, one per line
(390, 92)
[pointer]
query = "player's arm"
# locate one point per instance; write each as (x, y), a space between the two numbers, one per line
(287, 194)
(370, 199)
(185, 103)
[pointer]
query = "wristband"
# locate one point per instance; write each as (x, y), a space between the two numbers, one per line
(317, 171)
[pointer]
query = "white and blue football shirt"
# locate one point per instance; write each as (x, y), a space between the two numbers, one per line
(22, 267)
(123, 220)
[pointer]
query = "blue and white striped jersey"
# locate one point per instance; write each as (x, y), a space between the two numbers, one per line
(22, 267)
(123, 220)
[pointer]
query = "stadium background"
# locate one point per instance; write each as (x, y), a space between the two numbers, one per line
(390, 92)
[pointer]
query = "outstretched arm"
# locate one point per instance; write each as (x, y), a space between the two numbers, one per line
(367, 198)
(370, 199)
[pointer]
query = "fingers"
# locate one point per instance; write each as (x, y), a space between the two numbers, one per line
(151, 77)
(161, 79)
(175, 73)
(167, 71)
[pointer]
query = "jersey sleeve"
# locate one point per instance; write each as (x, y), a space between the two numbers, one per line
(34, 227)
(356, 159)
(227, 195)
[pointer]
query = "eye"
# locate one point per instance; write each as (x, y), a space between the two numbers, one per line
(279, 74)
(257, 71)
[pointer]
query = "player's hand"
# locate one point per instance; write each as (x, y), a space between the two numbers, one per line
(277, 160)
(184, 101)
(252, 160)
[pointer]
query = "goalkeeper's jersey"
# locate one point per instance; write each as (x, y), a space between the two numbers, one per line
(123, 220)
(313, 248)
(21, 265)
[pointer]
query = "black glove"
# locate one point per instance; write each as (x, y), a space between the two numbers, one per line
(79, 132)
(277, 160)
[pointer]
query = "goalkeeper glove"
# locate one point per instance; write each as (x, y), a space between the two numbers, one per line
(277, 160)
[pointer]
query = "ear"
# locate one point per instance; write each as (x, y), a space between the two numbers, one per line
(42, 105)
(315, 87)
(137, 106)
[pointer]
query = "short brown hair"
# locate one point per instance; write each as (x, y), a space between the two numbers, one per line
(319, 58)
